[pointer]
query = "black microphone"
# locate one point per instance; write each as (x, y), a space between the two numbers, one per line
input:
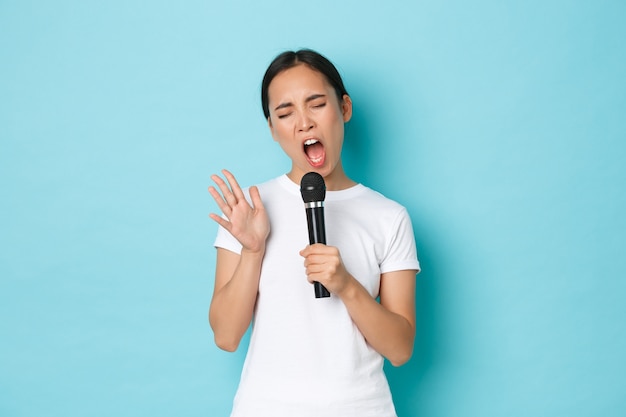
(313, 190)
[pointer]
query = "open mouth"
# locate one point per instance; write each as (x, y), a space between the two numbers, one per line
(314, 151)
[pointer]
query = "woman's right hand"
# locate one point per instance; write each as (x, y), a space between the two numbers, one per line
(247, 223)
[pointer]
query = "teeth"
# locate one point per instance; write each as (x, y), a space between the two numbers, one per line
(310, 141)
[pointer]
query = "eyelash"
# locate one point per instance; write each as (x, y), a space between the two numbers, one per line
(317, 106)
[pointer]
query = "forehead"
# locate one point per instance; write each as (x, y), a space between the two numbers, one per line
(300, 79)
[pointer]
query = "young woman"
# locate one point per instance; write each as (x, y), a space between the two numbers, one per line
(312, 356)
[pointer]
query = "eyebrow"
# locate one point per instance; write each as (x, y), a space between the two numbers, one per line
(309, 98)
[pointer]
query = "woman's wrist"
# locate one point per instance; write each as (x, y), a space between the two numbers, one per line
(350, 290)
(253, 253)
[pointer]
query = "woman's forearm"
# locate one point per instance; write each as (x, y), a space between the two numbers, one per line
(232, 306)
(390, 333)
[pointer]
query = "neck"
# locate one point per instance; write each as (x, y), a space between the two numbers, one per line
(336, 180)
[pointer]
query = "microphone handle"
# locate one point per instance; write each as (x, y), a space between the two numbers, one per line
(317, 234)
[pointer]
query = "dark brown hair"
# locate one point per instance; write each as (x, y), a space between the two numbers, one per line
(308, 57)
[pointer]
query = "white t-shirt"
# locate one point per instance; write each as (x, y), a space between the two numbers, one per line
(306, 356)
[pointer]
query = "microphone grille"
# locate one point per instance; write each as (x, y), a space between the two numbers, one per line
(312, 187)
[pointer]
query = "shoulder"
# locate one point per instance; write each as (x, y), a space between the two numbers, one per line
(378, 201)
(361, 203)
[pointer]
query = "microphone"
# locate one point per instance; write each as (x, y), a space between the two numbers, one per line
(313, 190)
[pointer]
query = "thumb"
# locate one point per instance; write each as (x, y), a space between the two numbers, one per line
(255, 196)
(304, 252)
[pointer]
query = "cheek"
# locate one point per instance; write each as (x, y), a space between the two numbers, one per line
(280, 133)
(284, 136)
(335, 117)
(336, 123)
(277, 130)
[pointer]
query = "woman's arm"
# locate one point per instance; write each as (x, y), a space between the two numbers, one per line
(237, 275)
(236, 287)
(389, 327)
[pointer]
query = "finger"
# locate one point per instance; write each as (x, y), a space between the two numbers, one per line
(229, 197)
(317, 277)
(234, 185)
(315, 269)
(311, 279)
(255, 196)
(221, 221)
(315, 260)
(317, 249)
(311, 249)
(219, 200)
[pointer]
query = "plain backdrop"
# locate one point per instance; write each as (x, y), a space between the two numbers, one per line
(500, 125)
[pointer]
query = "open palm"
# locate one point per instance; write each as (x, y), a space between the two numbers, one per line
(248, 223)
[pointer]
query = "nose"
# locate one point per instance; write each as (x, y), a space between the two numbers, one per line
(305, 122)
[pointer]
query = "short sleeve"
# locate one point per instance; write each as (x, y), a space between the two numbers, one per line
(400, 253)
(226, 241)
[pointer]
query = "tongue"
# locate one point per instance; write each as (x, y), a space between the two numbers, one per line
(315, 151)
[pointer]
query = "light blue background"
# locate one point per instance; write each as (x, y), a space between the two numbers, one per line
(501, 126)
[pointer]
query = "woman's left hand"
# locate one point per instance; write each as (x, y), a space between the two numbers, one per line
(323, 264)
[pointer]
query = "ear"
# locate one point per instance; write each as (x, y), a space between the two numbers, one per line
(346, 108)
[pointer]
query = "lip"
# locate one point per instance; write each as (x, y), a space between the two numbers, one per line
(310, 138)
(318, 162)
